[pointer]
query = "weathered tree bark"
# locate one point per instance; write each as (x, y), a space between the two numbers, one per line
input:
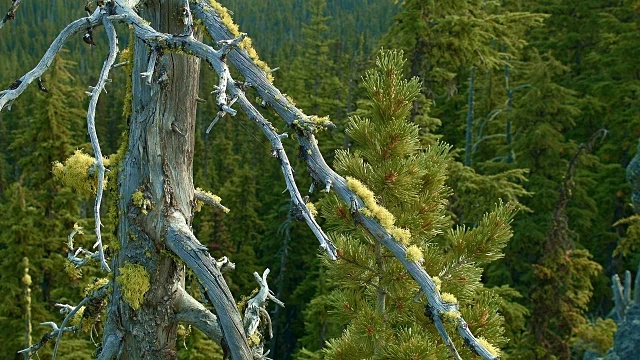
(158, 163)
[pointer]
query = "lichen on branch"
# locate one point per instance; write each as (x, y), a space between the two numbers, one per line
(246, 43)
(134, 280)
(77, 173)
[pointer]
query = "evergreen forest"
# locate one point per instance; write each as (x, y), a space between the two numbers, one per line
(498, 141)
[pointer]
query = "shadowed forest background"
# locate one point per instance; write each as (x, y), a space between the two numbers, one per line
(517, 88)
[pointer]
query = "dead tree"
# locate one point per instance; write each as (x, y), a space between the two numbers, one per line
(157, 195)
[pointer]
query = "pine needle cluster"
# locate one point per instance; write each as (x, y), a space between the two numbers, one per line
(403, 185)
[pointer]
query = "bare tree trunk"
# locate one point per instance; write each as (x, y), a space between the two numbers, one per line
(158, 164)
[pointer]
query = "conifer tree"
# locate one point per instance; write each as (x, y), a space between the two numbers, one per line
(43, 211)
(314, 72)
(376, 300)
(443, 41)
(543, 115)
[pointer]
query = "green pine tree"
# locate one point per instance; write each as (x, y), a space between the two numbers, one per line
(376, 298)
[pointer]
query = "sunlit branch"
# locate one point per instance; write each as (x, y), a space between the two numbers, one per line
(256, 309)
(78, 256)
(192, 312)
(205, 198)
(183, 243)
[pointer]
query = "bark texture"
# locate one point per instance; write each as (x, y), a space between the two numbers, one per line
(158, 164)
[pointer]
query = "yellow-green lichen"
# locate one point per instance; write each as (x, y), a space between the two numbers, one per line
(373, 210)
(289, 99)
(487, 345)
(26, 278)
(72, 272)
(449, 298)
(320, 122)
(254, 339)
(75, 173)
(77, 317)
(414, 254)
(245, 44)
(400, 234)
(451, 314)
(126, 55)
(141, 202)
(96, 285)
(217, 199)
(184, 331)
(134, 280)
(312, 209)
(438, 282)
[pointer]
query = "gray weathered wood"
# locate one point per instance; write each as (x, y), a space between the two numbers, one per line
(181, 241)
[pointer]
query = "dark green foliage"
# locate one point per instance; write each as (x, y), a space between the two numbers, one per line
(530, 107)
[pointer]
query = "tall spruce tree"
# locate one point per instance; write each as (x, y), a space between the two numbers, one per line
(313, 72)
(443, 41)
(376, 300)
(545, 112)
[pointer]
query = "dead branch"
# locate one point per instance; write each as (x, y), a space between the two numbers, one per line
(57, 332)
(190, 311)
(18, 87)
(183, 243)
(11, 14)
(91, 125)
(207, 199)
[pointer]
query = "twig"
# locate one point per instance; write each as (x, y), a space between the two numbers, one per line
(255, 307)
(100, 293)
(11, 14)
(287, 170)
(58, 331)
(91, 125)
(72, 253)
(7, 96)
(224, 106)
(45, 338)
(251, 315)
(151, 67)
(205, 198)
(187, 19)
(445, 336)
